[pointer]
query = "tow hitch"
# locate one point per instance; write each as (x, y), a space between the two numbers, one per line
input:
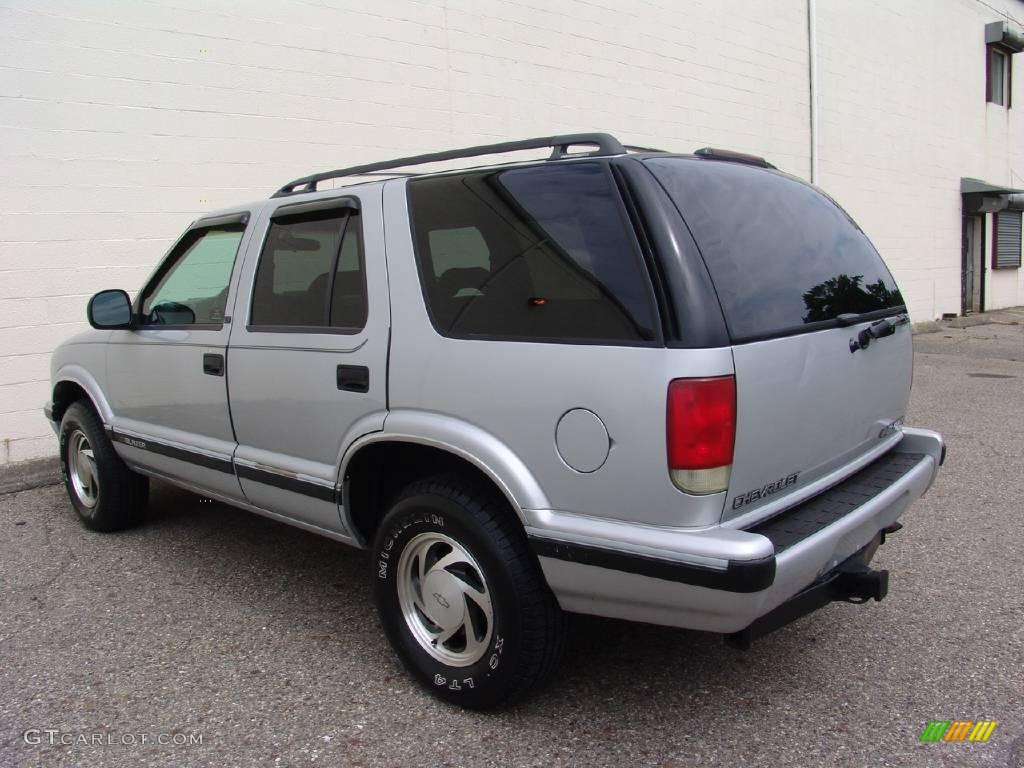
(860, 584)
(852, 581)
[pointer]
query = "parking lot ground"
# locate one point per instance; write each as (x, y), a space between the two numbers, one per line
(262, 639)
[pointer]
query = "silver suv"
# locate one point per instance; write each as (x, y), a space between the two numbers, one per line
(616, 381)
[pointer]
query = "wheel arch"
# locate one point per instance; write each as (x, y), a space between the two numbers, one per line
(73, 383)
(422, 444)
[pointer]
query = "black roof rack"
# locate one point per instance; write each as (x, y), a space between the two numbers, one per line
(710, 153)
(605, 143)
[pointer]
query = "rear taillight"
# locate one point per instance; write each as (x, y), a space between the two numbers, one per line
(701, 433)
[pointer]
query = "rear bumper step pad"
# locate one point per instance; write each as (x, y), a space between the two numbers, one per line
(804, 520)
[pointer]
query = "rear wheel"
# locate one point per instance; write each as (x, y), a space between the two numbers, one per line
(461, 597)
(106, 494)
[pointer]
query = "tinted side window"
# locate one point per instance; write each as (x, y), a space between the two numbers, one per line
(543, 252)
(193, 290)
(310, 273)
(782, 255)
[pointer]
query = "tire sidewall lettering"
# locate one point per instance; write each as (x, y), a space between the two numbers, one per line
(456, 681)
(64, 454)
(67, 427)
(427, 518)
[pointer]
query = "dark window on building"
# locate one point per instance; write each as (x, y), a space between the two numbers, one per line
(784, 258)
(538, 253)
(310, 274)
(1000, 67)
(192, 287)
(1007, 240)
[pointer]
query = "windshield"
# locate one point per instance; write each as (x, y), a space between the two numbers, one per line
(784, 258)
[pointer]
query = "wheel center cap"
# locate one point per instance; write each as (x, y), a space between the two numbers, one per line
(443, 599)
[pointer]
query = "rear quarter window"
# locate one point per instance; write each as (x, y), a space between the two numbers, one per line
(538, 253)
(784, 257)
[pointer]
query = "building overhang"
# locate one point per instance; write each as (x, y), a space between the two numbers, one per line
(981, 197)
(999, 33)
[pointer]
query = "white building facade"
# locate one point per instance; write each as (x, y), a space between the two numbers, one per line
(121, 122)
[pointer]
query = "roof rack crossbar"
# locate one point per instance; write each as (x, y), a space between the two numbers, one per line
(606, 145)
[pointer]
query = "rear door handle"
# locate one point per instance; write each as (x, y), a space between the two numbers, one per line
(213, 364)
(353, 378)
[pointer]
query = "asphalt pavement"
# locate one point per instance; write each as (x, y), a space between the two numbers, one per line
(261, 640)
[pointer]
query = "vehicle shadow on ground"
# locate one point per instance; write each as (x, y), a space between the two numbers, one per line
(324, 586)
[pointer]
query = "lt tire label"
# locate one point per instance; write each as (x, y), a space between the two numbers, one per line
(455, 684)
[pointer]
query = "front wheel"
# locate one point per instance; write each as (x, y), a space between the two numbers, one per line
(461, 597)
(106, 494)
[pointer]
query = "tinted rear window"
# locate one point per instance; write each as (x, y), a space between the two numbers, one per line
(536, 253)
(783, 256)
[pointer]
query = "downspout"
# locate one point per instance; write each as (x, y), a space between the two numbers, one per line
(812, 78)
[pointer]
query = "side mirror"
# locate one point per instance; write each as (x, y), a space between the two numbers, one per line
(110, 309)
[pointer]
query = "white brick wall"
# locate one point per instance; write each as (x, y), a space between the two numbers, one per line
(121, 121)
(903, 118)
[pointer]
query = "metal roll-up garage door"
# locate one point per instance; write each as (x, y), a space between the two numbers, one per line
(1006, 254)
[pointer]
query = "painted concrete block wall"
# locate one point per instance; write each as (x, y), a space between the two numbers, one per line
(122, 121)
(903, 118)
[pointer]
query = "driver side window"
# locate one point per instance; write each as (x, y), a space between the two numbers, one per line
(193, 288)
